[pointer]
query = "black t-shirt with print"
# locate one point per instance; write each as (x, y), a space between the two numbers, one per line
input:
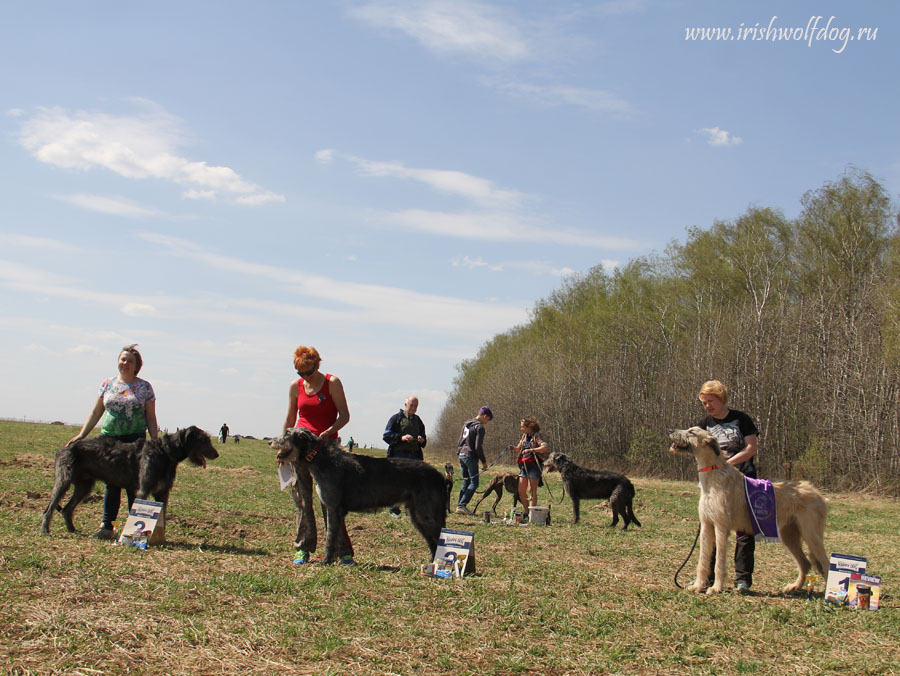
(731, 432)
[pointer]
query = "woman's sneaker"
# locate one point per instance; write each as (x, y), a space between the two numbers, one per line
(104, 533)
(347, 560)
(301, 557)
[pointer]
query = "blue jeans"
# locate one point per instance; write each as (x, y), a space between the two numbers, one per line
(469, 467)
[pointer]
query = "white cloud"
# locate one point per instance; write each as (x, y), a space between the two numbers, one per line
(563, 95)
(348, 301)
(115, 206)
(86, 349)
(14, 239)
(450, 26)
(719, 137)
(136, 146)
(496, 227)
(325, 155)
(139, 310)
(532, 267)
(449, 181)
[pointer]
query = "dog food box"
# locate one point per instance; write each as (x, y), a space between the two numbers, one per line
(864, 591)
(840, 568)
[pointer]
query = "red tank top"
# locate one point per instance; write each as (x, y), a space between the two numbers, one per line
(316, 412)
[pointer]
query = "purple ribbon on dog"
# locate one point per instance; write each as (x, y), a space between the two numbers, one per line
(761, 501)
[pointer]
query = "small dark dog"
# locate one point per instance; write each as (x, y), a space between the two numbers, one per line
(448, 481)
(141, 467)
(588, 484)
(508, 481)
(348, 482)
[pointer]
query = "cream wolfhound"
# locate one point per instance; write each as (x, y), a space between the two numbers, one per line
(723, 508)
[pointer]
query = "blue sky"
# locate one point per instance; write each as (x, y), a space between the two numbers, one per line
(391, 182)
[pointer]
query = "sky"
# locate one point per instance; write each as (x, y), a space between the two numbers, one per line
(392, 182)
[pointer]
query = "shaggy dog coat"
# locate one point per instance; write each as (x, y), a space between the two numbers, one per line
(800, 508)
(589, 484)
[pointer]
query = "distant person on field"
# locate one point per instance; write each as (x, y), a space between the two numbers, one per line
(223, 433)
(471, 450)
(738, 437)
(316, 401)
(405, 436)
(127, 405)
(351, 445)
(530, 453)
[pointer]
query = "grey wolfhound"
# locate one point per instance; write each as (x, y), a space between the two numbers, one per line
(800, 511)
(140, 467)
(590, 484)
(347, 482)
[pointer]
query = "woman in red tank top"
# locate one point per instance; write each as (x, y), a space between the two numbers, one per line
(316, 402)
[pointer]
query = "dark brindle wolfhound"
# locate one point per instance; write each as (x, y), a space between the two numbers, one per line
(508, 481)
(590, 484)
(348, 482)
(141, 468)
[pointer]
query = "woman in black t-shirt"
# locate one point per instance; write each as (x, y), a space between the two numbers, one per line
(738, 437)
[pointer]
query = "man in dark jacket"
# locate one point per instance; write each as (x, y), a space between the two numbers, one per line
(405, 436)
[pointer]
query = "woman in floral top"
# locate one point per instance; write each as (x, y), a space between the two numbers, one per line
(127, 406)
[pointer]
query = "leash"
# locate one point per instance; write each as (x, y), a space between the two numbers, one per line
(690, 553)
(480, 472)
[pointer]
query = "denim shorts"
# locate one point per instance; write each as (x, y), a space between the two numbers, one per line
(530, 471)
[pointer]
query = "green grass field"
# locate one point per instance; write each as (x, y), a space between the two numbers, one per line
(223, 597)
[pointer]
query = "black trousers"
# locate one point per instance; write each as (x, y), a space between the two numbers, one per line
(744, 550)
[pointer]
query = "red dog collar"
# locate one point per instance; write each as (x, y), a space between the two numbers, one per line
(706, 469)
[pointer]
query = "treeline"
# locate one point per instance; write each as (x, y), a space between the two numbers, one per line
(800, 318)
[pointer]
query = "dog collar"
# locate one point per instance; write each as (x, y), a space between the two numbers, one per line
(315, 451)
(706, 469)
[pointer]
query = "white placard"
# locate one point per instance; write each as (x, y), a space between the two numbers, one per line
(141, 522)
(455, 554)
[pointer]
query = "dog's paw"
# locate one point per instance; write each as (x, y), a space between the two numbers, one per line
(715, 589)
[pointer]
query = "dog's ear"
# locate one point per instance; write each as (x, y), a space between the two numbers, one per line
(705, 437)
(302, 437)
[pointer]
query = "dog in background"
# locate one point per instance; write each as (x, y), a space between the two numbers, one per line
(347, 482)
(589, 484)
(448, 482)
(800, 512)
(508, 481)
(141, 468)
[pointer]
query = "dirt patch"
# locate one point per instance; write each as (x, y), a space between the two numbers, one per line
(29, 461)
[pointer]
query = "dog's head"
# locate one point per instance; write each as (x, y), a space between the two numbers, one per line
(695, 441)
(448, 470)
(294, 444)
(197, 445)
(554, 460)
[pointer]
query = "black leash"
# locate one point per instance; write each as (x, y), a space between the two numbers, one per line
(690, 553)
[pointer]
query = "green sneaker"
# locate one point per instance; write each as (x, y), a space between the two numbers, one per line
(301, 557)
(347, 560)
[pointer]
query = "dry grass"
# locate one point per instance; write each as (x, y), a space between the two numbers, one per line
(224, 598)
